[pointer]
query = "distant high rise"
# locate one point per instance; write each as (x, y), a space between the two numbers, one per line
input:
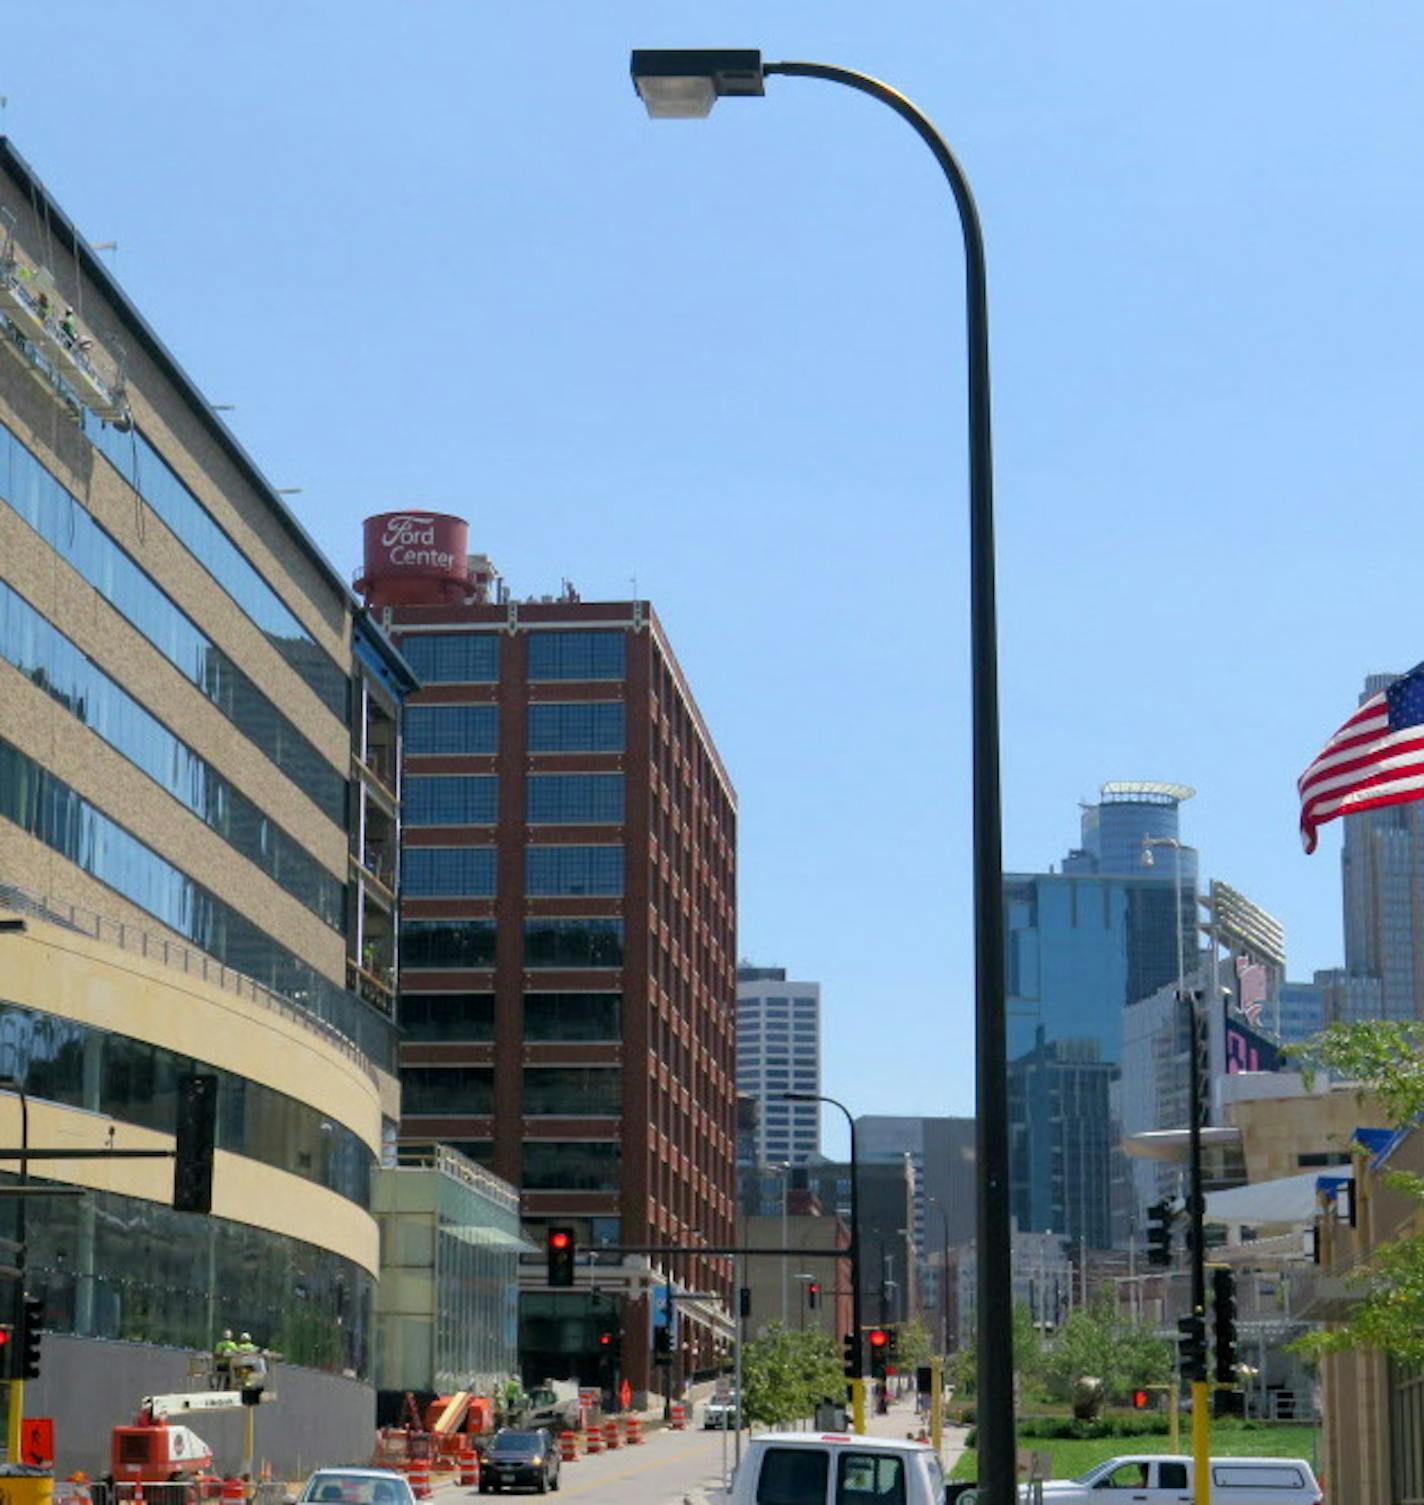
(779, 1051)
(1301, 1011)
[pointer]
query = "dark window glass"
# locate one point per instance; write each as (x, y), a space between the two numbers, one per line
(140, 464)
(1171, 1476)
(454, 800)
(573, 943)
(573, 1016)
(447, 943)
(576, 655)
(577, 726)
(453, 1091)
(447, 658)
(481, 1151)
(83, 1066)
(55, 814)
(46, 656)
(447, 1016)
(554, 871)
(568, 799)
(448, 872)
(73, 534)
(554, 1165)
(870, 1479)
(793, 1476)
(573, 1091)
(452, 729)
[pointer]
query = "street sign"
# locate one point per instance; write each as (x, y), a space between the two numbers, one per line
(662, 1306)
(37, 1441)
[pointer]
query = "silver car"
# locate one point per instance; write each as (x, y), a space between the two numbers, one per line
(356, 1486)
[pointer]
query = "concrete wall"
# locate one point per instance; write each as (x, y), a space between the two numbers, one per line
(90, 1386)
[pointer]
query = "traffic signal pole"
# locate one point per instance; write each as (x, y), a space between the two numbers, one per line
(1201, 1390)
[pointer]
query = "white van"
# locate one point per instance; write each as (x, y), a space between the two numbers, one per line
(836, 1468)
(1166, 1479)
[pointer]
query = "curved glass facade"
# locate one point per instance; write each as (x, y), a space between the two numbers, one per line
(140, 464)
(109, 1266)
(42, 653)
(66, 525)
(49, 810)
(82, 1066)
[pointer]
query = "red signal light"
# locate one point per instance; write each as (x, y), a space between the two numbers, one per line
(877, 1337)
(1139, 1400)
(559, 1239)
(4, 1336)
(605, 1339)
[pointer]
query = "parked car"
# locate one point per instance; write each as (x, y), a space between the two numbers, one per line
(721, 1411)
(356, 1486)
(517, 1460)
(1155, 1479)
(830, 1468)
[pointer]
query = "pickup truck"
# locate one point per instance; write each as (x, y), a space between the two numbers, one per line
(836, 1468)
(1158, 1479)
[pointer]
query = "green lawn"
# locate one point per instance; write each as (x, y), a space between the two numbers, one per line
(1071, 1458)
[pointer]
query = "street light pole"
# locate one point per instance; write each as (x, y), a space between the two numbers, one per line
(688, 83)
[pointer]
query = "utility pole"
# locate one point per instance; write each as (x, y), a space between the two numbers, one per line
(1196, 1207)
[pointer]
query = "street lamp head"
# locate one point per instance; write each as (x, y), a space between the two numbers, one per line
(1148, 860)
(681, 84)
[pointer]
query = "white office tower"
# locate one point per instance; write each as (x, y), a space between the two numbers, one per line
(779, 1051)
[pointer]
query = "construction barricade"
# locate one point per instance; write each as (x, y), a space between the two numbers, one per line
(568, 1447)
(469, 1468)
(678, 1414)
(632, 1430)
(593, 1441)
(611, 1439)
(418, 1475)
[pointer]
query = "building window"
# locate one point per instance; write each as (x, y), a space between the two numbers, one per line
(573, 1016)
(451, 1091)
(453, 800)
(450, 658)
(551, 872)
(573, 943)
(570, 799)
(447, 943)
(573, 1091)
(560, 1165)
(447, 1016)
(576, 655)
(452, 730)
(448, 872)
(577, 726)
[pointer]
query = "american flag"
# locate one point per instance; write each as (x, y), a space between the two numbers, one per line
(1376, 758)
(1251, 988)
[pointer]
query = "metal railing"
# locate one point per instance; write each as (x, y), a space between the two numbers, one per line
(180, 958)
(431, 1155)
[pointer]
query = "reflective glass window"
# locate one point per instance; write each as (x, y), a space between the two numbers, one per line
(140, 464)
(568, 799)
(442, 658)
(577, 726)
(573, 943)
(561, 1165)
(448, 872)
(452, 1091)
(447, 943)
(576, 655)
(573, 1016)
(452, 729)
(69, 529)
(447, 1016)
(450, 800)
(47, 657)
(573, 1091)
(555, 871)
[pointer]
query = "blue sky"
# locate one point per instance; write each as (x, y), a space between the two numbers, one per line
(437, 255)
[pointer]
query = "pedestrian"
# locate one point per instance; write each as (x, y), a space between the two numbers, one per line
(223, 1351)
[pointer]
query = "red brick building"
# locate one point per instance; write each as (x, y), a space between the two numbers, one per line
(568, 943)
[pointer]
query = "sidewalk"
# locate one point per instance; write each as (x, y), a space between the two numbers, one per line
(902, 1421)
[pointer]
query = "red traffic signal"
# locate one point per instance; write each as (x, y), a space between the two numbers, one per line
(560, 1238)
(605, 1340)
(560, 1251)
(877, 1337)
(813, 1294)
(878, 1341)
(1139, 1400)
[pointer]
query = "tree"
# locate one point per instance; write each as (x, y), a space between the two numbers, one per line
(1386, 1057)
(963, 1364)
(914, 1344)
(1096, 1341)
(785, 1375)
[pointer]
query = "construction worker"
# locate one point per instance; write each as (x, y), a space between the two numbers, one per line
(223, 1351)
(246, 1345)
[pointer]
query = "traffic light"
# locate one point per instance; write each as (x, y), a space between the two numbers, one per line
(195, 1132)
(8, 1350)
(1159, 1233)
(1223, 1302)
(1139, 1400)
(32, 1316)
(559, 1247)
(850, 1361)
(1191, 1347)
(813, 1295)
(878, 1341)
(892, 1348)
(662, 1343)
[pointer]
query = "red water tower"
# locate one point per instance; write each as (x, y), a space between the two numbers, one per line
(415, 558)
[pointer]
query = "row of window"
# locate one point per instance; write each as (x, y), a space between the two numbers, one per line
(140, 464)
(64, 523)
(472, 658)
(571, 943)
(48, 809)
(549, 1091)
(45, 655)
(547, 1016)
(82, 1066)
(473, 730)
(551, 799)
(549, 872)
